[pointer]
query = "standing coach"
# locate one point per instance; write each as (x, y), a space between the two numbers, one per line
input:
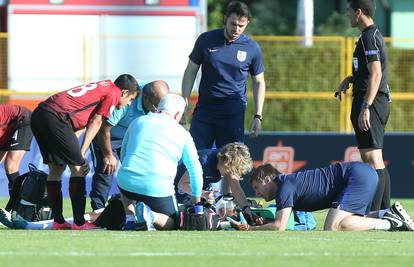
(227, 56)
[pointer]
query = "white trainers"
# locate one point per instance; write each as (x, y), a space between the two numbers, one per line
(5, 218)
(398, 209)
(399, 218)
(144, 217)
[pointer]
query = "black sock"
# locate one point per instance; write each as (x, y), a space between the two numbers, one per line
(376, 202)
(12, 177)
(54, 195)
(386, 198)
(13, 193)
(77, 192)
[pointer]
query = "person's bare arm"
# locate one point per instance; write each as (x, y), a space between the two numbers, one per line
(259, 90)
(187, 84)
(231, 184)
(91, 130)
(280, 223)
(374, 80)
(104, 141)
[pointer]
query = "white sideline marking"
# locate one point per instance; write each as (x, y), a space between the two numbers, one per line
(205, 254)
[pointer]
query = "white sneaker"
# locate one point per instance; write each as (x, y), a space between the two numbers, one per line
(5, 218)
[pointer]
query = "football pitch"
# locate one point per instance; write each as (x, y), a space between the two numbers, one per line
(222, 248)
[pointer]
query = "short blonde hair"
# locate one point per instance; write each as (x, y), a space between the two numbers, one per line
(235, 159)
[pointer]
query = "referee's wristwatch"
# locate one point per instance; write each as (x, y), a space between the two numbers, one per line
(365, 105)
(257, 116)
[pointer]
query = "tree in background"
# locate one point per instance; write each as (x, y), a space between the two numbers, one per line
(336, 24)
(278, 17)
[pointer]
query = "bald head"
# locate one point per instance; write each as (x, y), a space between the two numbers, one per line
(152, 94)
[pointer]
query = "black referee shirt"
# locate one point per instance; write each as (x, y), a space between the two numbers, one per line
(370, 47)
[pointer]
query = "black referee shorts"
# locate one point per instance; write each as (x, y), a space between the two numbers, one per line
(379, 113)
(56, 139)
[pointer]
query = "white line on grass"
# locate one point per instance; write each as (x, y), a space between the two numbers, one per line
(206, 254)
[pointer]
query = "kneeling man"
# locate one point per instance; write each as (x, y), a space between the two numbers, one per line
(151, 149)
(346, 189)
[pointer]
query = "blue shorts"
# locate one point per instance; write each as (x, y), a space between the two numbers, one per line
(207, 129)
(357, 195)
(164, 205)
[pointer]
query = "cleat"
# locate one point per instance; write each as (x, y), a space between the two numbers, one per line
(129, 226)
(86, 226)
(61, 226)
(18, 221)
(5, 218)
(144, 217)
(397, 224)
(398, 210)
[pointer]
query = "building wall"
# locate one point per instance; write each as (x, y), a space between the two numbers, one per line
(55, 47)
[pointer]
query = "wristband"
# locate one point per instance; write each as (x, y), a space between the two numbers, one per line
(257, 116)
(245, 207)
(365, 105)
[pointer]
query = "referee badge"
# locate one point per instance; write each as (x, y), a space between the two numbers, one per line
(241, 55)
(355, 63)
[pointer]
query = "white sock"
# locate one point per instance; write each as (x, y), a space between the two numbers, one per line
(382, 212)
(130, 218)
(381, 224)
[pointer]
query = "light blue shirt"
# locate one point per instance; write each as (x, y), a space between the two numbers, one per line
(151, 149)
(121, 118)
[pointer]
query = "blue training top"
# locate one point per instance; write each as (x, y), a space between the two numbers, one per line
(208, 160)
(311, 190)
(225, 67)
(151, 149)
(121, 118)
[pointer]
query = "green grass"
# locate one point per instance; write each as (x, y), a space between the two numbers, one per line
(224, 248)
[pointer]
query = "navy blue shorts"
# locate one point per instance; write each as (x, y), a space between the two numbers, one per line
(357, 195)
(207, 129)
(164, 205)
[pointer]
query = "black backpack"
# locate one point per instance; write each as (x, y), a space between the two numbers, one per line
(190, 221)
(29, 197)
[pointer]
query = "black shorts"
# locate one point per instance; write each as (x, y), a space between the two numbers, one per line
(379, 113)
(22, 137)
(56, 139)
(164, 205)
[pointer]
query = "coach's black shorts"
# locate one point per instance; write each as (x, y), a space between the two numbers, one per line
(56, 139)
(379, 113)
(164, 205)
(22, 136)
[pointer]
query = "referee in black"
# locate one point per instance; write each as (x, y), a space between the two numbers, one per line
(371, 95)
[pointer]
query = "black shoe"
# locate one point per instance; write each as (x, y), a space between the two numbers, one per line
(397, 224)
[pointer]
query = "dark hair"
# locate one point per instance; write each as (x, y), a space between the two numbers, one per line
(367, 6)
(259, 174)
(127, 82)
(238, 8)
(148, 90)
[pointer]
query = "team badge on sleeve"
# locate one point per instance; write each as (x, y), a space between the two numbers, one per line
(241, 55)
(355, 63)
